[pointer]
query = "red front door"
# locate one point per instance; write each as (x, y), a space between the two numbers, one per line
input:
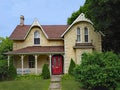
(57, 64)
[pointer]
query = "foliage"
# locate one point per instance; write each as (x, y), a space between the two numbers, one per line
(12, 73)
(98, 71)
(7, 73)
(5, 46)
(66, 77)
(3, 70)
(105, 16)
(71, 67)
(45, 72)
(29, 77)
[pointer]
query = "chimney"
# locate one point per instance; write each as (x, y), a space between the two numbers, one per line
(21, 20)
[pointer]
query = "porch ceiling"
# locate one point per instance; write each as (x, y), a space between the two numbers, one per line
(38, 50)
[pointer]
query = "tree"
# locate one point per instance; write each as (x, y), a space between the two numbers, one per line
(5, 46)
(98, 71)
(71, 67)
(45, 72)
(105, 16)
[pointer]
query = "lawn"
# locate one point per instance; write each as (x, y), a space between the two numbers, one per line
(25, 85)
(70, 84)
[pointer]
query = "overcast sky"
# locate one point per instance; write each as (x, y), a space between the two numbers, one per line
(48, 12)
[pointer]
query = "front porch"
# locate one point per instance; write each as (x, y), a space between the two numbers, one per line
(32, 62)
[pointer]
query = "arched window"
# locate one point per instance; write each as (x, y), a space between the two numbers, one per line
(86, 34)
(36, 37)
(78, 34)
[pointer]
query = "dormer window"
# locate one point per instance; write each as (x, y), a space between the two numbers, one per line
(36, 37)
(86, 34)
(78, 34)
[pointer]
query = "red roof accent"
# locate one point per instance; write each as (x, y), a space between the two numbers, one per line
(38, 49)
(20, 32)
(52, 31)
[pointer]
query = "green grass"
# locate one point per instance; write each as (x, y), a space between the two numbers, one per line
(70, 84)
(25, 85)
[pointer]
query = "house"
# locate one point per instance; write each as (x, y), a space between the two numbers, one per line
(35, 45)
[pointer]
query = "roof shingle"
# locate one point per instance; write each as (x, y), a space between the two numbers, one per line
(38, 49)
(52, 31)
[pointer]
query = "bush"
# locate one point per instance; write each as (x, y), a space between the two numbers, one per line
(12, 72)
(45, 72)
(3, 70)
(7, 73)
(98, 71)
(71, 67)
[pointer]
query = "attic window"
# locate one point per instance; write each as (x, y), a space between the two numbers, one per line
(36, 37)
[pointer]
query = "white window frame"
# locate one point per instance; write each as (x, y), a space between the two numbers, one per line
(37, 37)
(86, 28)
(78, 35)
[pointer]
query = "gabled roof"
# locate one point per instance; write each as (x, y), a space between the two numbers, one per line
(38, 50)
(52, 31)
(80, 18)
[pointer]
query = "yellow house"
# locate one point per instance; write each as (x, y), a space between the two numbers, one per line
(35, 45)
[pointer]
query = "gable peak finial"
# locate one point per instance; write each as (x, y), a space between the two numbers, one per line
(36, 22)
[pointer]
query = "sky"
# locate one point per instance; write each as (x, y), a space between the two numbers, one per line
(48, 12)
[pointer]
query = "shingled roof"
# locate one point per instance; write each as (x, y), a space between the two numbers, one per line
(38, 50)
(52, 31)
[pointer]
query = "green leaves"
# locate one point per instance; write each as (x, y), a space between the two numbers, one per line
(98, 70)
(71, 67)
(105, 16)
(45, 72)
(5, 45)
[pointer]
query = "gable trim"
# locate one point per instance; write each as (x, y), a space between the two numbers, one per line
(35, 23)
(80, 18)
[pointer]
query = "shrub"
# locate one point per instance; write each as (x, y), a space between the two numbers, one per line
(3, 70)
(71, 67)
(45, 72)
(7, 72)
(12, 72)
(98, 71)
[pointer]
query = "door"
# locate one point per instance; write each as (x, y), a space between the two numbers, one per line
(57, 64)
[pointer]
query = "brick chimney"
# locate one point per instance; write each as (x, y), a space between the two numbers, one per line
(21, 20)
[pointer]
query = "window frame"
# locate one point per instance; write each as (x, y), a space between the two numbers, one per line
(36, 38)
(31, 61)
(78, 35)
(86, 35)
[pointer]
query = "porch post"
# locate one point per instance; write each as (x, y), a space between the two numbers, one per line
(8, 61)
(22, 57)
(50, 63)
(36, 57)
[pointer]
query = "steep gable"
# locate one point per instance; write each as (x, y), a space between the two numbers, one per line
(50, 31)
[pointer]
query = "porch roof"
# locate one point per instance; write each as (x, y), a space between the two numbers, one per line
(38, 50)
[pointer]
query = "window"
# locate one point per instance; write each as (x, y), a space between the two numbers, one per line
(86, 34)
(78, 35)
(31, 61)
(36, 37)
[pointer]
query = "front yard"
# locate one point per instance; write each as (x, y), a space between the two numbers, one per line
(25, 85)
(68, 83)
